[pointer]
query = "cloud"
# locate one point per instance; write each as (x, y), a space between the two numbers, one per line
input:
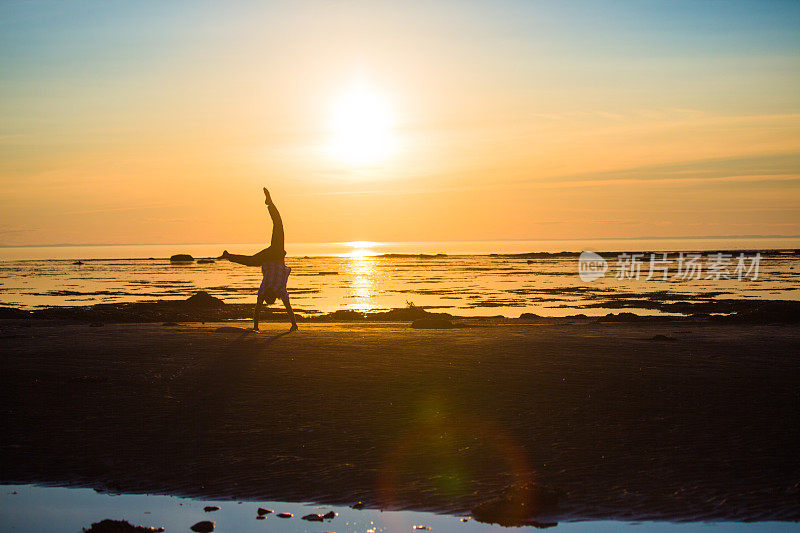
(767, 168)
(15, 231)
(124, 208)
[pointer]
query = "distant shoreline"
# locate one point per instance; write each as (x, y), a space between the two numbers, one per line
(410, 248)
(772, 252)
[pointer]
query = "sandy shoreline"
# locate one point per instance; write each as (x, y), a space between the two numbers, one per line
(616, 424)
(656, 305)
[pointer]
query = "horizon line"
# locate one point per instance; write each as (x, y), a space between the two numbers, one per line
(695, 237)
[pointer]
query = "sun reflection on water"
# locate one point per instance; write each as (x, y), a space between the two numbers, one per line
(362, 268)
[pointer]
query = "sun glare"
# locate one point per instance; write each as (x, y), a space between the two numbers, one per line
(360, 249)
(362, 244)
(362, 127)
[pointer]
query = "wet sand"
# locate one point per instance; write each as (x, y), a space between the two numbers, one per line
(700, 425)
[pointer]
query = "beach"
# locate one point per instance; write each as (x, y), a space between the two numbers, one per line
(679, 419)
(379, 267)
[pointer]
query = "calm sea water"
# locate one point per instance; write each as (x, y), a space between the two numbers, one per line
(361, 276)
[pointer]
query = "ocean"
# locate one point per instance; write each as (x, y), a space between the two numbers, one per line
(462, 278)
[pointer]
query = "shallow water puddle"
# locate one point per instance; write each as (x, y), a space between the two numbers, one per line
(31, 508)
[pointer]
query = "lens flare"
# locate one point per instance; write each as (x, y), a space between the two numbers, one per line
(448, 456)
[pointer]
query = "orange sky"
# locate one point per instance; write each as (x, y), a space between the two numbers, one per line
(509, 120)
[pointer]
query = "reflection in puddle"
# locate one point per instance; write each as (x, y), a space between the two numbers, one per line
(30, 508)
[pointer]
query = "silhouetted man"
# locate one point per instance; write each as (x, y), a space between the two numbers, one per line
(274, 270)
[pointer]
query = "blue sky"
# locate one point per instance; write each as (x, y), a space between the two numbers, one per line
(154, 110)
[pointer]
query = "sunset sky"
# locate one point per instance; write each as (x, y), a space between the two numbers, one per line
(159, 122)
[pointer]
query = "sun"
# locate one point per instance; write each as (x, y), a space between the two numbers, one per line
(362, 127)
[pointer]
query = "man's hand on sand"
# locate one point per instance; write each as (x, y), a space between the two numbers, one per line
(267, 198)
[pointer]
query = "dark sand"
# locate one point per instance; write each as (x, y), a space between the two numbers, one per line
(705, 426)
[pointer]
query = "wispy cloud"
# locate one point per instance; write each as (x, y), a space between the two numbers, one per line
(124, 208)
(16, 231)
